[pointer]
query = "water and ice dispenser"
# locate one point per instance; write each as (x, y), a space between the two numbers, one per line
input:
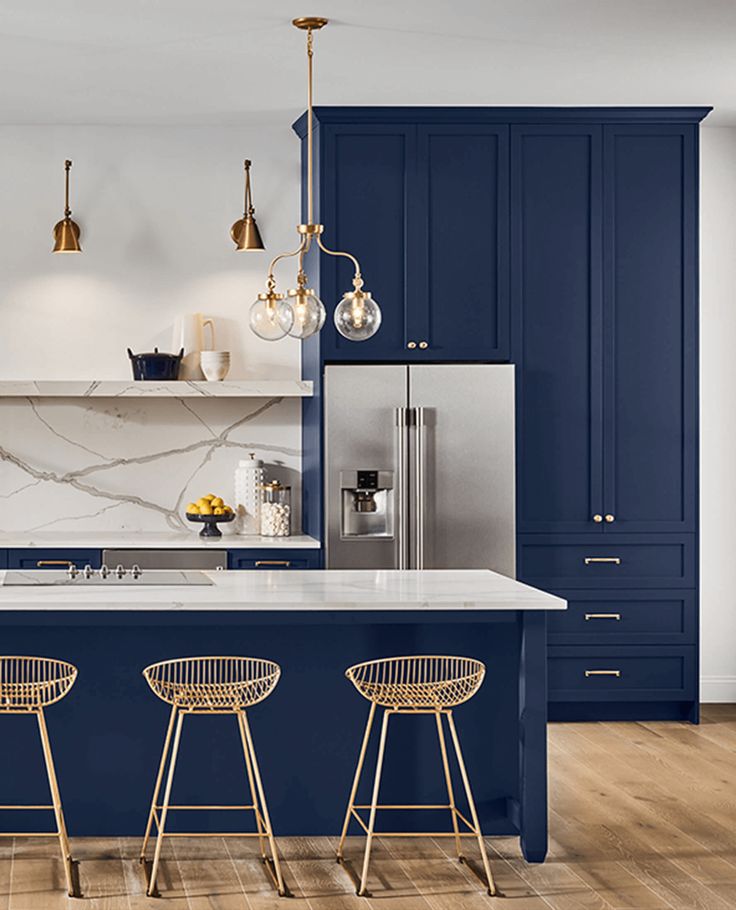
(367, 504)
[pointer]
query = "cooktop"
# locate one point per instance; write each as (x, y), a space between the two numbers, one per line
(111, 578)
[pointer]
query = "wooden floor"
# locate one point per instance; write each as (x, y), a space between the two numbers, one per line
(643, 816)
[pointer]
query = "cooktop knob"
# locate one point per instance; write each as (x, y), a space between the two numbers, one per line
(87, 571)
(136, 571)
(104, 571)
(119, 571)
(72, 571)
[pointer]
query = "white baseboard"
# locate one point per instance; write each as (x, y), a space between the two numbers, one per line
(717, 689)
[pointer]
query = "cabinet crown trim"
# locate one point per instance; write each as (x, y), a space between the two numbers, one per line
(404, 115)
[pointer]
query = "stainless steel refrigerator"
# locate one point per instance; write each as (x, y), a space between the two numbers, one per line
(420, 467)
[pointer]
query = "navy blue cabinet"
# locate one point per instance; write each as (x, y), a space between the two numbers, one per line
(424, 207)
(556, 299)
(274, 559)
(565, 240)
(34, 558)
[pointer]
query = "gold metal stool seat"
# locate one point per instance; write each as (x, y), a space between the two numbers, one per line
(27, 686)
(424, 684)
(211, 685)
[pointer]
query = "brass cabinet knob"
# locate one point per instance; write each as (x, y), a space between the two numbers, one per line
(423, 345)
(597, 518)
(411, 345)
(610, 518)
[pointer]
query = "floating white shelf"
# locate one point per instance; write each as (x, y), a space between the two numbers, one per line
(116, 388)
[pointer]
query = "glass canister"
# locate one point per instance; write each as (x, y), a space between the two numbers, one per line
(249, 477)
(275, 509)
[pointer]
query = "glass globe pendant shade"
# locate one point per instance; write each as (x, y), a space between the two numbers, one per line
(308, 313)
(357, 316)
(270, 317)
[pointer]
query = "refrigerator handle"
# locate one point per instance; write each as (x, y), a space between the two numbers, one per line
(402, 491)
(420, 487)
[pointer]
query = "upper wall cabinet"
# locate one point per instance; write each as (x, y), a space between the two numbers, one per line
(424, 207)
(605, 309)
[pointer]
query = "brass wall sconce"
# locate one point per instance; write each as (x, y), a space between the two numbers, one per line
(66, 231)
(245, 231)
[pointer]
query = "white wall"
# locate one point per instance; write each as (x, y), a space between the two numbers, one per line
(718, 413)
(155, 207)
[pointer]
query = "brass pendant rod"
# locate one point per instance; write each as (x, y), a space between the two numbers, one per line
(67, 168)
(310, 151)
(248, 202)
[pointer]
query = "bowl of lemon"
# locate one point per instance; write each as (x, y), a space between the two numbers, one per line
(210, 511)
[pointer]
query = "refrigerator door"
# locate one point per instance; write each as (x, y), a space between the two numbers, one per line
(462, 457)
(365, 407)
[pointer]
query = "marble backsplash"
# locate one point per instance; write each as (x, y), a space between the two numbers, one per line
(127, 464)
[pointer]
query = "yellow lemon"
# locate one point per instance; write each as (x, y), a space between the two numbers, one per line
(210, 497)
(218, 510)
(193, 509)
(217, 503)
(202, 502)
(227, 509)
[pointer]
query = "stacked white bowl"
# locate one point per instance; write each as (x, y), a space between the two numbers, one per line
(215, 364)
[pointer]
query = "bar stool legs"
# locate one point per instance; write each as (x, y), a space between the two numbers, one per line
(70, 867)
(159, 811)
(473, 826)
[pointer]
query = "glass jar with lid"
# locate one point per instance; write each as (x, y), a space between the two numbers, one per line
(275, 509)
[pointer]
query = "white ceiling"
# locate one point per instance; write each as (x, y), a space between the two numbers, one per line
(186, 62)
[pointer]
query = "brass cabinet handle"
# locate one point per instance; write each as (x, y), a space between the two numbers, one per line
(610, 518)
(589, 673)
(272, 562)
(597, 518)
(613, 560)
(411, 345)
(424, 345)
(53, 562)
(616, 616)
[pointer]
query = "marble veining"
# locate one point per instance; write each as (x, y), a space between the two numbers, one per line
(128, 464)
(316, 590)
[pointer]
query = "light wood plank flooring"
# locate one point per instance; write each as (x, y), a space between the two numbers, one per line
(643, 817)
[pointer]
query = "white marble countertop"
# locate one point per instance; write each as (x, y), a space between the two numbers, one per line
(129, 388)
(164, 540)
(278, 591)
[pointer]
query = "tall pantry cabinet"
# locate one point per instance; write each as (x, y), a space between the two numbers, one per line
(566, 241)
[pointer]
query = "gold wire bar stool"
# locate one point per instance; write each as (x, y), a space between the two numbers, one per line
(211, 685)
(426, 684)
(27, 686)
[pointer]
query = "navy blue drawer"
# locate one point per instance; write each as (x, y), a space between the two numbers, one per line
(53, 559)
(275, 559)
(626, 561)
(621, 674)
(624, 617)
(3, 559)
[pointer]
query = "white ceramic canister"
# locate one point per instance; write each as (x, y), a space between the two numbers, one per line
(249, 477)
(189, 334)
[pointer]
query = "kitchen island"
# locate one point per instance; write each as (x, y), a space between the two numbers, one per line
(107, 733)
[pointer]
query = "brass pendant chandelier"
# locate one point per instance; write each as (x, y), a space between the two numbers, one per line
(300, 313)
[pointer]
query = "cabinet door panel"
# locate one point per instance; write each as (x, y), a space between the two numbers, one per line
(365, 180)
(458, 298)
(556, 302)
(650, 311)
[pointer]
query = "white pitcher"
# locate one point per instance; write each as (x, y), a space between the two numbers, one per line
(189, 334)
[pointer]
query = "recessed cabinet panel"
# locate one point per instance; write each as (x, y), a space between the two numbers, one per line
(53, 559)
(556, 307)
(458, 300)
(624, 617)
(626, 674)
(636, 560)
(365, 185)
(650, 335)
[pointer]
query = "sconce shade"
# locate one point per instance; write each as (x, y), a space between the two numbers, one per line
(66, 237)
(246, 235)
